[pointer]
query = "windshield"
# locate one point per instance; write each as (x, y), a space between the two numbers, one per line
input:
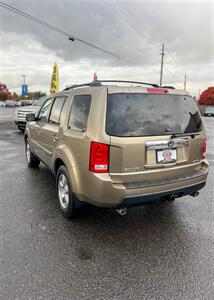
(137, 114)
(39, 102)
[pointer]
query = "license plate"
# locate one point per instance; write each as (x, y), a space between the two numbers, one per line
(166, 156)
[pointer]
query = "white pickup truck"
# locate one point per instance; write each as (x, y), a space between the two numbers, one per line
(21, 112)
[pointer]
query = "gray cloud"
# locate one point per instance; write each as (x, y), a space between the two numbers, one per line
(133, 30)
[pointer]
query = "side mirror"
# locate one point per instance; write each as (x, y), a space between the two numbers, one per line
(30, 117)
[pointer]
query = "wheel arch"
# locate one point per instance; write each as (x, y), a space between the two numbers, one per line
(64, 160)
(57, 164)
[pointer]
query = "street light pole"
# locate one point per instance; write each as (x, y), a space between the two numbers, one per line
(185, 82)
(23, 76)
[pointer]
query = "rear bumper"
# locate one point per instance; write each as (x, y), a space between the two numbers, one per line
(99, 190)
(156, 197)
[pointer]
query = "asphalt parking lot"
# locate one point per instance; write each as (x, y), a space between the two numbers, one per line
(163, 251)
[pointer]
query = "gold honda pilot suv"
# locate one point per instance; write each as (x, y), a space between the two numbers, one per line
(119, 146)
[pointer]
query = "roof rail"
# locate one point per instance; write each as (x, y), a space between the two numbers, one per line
(99, 83)
(130, 81)
(74, 86)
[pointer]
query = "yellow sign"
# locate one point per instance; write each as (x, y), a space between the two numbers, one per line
(54, 80)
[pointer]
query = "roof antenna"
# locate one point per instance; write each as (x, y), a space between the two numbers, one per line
(95, 76)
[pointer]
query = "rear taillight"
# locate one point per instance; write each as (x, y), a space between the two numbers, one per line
(204, 147)
(99, 158)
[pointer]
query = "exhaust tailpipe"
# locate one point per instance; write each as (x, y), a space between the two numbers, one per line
(122, 211)
(195, 194)
(172, 198)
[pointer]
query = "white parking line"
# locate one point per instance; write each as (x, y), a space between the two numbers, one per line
(5, 117)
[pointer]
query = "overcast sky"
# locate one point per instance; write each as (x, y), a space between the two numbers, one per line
(133, 30)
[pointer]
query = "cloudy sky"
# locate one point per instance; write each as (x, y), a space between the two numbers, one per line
(133, 30)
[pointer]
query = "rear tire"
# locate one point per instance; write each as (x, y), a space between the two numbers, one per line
(65, 194)
(32, 160)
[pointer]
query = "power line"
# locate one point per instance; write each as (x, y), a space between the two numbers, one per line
(173, 69)
(60, 31)
(171, 77)
(139, 32)
(166, 48)
(173, 59)
(128, 23)
(51, 27)
(125, 42)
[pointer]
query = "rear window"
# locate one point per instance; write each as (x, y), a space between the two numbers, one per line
(136, 114)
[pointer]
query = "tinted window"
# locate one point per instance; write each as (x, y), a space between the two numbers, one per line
(79, 112)
(44, 112)
(151, 114)
(56, 110)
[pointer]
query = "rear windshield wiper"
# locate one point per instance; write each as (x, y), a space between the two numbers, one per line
(174, 135)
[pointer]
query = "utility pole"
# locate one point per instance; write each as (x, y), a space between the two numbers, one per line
(23, 76)
(185, 82)
(161, 70)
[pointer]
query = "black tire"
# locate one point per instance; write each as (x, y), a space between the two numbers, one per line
(21, 129)
(32, 160)
(67, 203)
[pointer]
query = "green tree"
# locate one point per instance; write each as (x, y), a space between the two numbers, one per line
(15, 96)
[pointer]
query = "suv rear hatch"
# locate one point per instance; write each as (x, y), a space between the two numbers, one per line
(153, 136)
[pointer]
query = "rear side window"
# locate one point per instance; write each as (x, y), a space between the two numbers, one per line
(56, 110)
(79, 112)
(136, 114)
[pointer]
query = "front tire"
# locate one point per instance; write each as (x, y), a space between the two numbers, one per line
(65, 194)
(32, 160)
(21, 129)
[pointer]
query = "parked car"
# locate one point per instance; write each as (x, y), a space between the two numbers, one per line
(209, 111)
(18, 103)
(2, 103)
(117, 147)
(21, 112)
(10, 103)
(26, 102)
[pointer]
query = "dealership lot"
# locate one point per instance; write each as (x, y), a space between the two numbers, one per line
(163, 251)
